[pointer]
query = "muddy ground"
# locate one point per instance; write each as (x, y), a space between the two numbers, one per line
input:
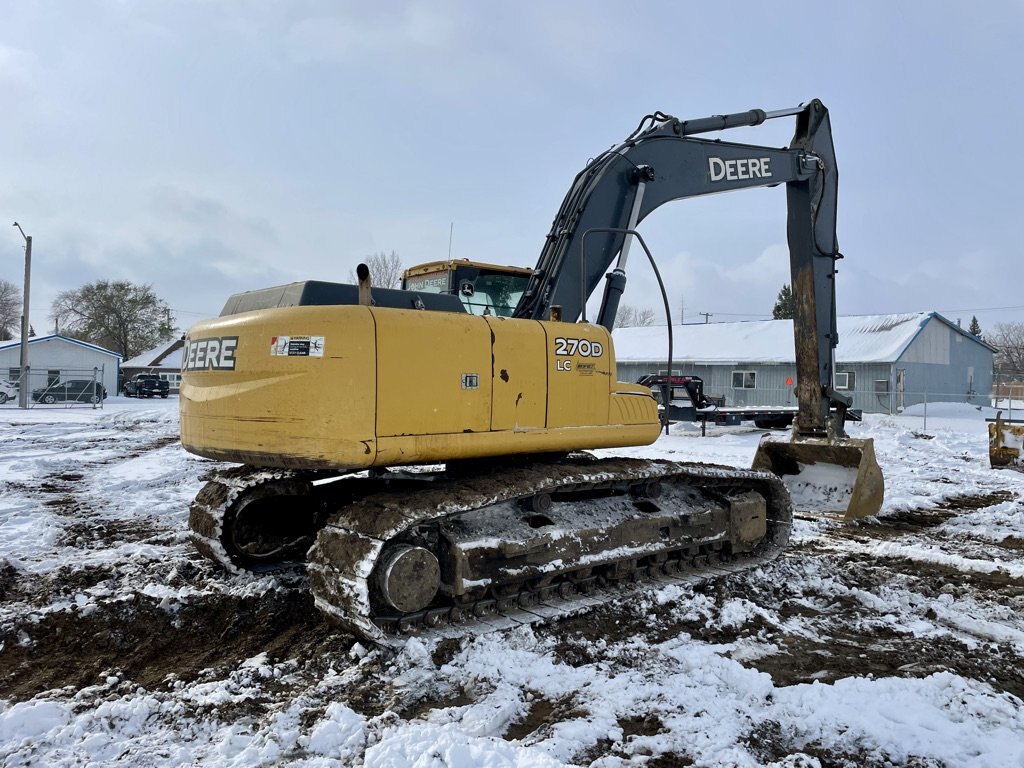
(97, 631)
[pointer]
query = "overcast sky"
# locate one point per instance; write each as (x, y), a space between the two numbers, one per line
(213, 147)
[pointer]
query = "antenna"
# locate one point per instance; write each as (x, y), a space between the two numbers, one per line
(451, 233)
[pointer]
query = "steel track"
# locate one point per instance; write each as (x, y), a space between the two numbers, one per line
(342, 560)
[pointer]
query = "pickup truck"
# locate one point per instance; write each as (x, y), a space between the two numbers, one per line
(146, 385)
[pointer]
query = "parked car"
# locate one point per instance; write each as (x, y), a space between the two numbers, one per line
(146, 385)
(71, 391)
(8, 391)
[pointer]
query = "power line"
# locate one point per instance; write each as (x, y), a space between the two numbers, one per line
(982, 309)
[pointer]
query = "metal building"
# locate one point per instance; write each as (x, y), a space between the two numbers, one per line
(886, 362)
(57, 358)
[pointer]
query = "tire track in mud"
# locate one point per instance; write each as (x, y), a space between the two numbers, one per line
(153, 642)
(802, 633)
(58, 641)
(856, 639)
(84, 527)
(802, 636)
(911, 521)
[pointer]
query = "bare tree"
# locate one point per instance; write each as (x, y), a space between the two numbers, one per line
(385, 270)
(633, 317)
(1008, 338)
(121, 316)
(10, 310)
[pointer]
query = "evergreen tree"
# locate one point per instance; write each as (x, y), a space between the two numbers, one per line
(784, 308)
(975, 326)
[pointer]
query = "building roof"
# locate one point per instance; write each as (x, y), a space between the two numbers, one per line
(166, 355)
(862, 339)
(57, 336)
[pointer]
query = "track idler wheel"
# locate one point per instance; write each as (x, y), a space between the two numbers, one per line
(409, 578)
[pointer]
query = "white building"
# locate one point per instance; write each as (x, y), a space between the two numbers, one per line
(164, 361)
(59, 358)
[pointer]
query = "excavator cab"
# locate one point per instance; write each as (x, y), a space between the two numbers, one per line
(483, 289)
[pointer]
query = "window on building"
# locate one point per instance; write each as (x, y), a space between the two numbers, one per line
(743, 379)
(174, 379)
(14, 374)
(52, 377)
(845, 380)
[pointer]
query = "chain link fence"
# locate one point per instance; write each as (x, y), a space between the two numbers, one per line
(63, 388)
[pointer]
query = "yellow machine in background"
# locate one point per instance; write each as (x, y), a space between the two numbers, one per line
(1005, 443)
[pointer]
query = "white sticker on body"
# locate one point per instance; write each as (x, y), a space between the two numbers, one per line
(297, 346)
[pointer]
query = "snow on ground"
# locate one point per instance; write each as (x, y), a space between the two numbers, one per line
(896, 640)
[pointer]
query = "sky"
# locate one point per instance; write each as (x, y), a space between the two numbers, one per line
(213, 146)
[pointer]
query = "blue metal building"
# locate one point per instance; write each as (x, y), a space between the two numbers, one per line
(886, 362)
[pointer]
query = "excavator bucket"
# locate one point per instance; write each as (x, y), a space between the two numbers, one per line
(837, 477)
(1005, 444)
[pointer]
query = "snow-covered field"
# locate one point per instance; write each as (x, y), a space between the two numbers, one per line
(898, 640)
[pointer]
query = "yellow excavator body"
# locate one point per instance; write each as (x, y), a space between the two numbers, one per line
(354, 387)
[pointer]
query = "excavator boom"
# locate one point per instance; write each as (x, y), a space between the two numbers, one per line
(661, 162)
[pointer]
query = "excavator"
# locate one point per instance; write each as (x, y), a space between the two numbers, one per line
(426, 452)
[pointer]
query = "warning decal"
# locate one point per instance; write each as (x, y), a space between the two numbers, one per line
(297, 346)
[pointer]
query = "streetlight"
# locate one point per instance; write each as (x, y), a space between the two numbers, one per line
(23, 384)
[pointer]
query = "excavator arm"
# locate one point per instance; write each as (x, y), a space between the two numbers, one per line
(664, 161)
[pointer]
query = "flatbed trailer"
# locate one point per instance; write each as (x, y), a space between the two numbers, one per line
(688, 402)
(763, 416)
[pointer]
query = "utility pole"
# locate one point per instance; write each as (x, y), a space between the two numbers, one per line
(707, 316)
(23, 384)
